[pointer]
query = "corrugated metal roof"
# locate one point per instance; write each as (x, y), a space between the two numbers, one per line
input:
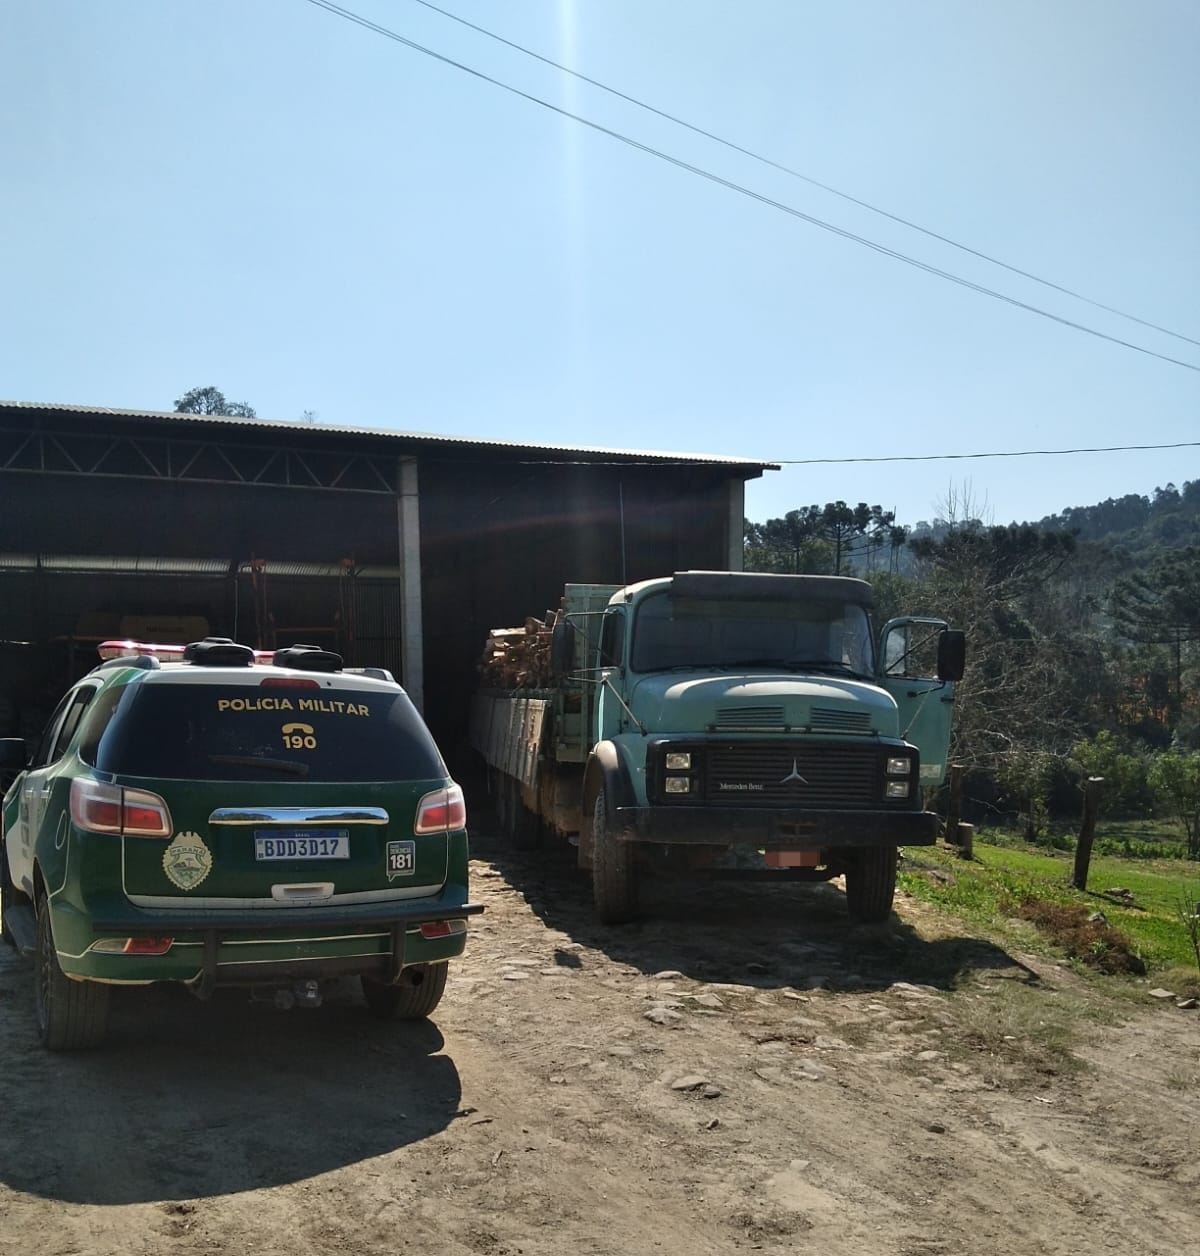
(143, 565)
(256, 424)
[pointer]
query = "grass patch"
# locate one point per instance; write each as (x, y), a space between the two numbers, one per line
(990, 890)
(1013, 1034)
(1121, 839)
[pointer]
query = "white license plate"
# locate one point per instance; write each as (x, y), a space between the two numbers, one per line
(285, 845)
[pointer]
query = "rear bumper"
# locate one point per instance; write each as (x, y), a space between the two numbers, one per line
(769, 829)
(140, 922)
(211, 948)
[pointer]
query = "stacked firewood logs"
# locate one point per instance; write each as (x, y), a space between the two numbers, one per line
(519, 658)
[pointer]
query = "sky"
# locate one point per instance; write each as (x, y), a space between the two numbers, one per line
(263, 196)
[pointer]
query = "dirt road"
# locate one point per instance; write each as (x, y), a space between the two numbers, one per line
(763, 1079)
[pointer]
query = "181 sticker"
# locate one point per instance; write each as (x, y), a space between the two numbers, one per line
(401, 859)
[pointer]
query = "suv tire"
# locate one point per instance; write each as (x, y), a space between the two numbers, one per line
(8, 898)
(71, 1015)
(420, 990)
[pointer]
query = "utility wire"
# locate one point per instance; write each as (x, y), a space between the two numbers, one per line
(1004, 453)
(665, 460)
(796, 174)
(699, 171)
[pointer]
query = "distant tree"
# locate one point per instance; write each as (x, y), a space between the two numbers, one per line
(1124, 773)
(822, 539)
(846, 527)
(212, 401)
(1176, 779)
(788, 545)
(1162, 606)
(1020, 692)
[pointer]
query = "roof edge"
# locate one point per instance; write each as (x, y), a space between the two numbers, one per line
(649, 457)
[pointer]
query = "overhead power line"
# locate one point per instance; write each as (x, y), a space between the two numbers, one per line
(797, 174)
(1002, 453)
(714, 460)
(702, 173)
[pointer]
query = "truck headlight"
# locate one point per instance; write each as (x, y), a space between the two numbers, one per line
(899, 767)
(679, 762)
(897, 789)
(679, 784)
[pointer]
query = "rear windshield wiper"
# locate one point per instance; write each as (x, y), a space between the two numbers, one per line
(287, 766)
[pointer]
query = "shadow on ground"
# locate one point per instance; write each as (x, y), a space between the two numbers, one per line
(748, 932)
(191, 1100)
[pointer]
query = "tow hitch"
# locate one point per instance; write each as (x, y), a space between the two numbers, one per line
(298, 994)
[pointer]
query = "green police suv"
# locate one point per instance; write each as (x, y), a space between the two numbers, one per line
(215, 817)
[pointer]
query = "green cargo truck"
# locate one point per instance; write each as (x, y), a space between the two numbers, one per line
(728, 723)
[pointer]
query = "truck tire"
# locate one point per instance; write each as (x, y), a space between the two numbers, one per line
(420, 990)
(524, 831)
(498, 788)
(614, 871)
(71, 1015)
(871, 883)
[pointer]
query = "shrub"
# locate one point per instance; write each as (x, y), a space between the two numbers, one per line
(1175, 777)
(1092, 942)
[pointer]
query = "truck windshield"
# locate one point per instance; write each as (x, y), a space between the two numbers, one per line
(832, 636)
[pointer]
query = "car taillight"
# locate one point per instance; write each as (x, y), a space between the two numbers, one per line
(97, 807)
(288, 682)
(441, 811)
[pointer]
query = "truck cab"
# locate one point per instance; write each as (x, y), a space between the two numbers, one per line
(753, 723)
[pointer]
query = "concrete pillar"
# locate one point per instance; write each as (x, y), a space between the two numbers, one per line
(737, 519)
(412, 648)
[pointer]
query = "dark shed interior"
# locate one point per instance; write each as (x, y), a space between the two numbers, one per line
(394, 548)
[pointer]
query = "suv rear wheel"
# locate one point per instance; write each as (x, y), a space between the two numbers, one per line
(8, 898)
(419, 991)
(70, 1014)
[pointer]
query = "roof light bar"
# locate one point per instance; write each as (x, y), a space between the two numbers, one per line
(164, 653)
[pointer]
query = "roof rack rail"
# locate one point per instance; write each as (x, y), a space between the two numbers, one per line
(309, 658)
(218, 652)
(147, 662)
(374, 673)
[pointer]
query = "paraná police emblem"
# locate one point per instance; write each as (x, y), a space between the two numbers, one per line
(187, 861)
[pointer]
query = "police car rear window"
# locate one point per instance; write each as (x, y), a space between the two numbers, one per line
(244, 733)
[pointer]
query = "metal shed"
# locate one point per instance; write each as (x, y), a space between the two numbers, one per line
(396, 548)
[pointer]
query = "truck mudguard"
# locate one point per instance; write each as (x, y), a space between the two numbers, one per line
(607, 770)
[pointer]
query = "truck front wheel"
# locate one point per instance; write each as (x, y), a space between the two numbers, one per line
(871, 883)
(614, 870)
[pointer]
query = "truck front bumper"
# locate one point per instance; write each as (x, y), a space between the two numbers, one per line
(768, 829)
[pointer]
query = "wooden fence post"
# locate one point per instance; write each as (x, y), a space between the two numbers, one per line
(954, 803)
(966, 841)
(1087, 831)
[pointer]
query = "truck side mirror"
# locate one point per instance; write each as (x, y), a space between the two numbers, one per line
(952, 654)
(562, 648)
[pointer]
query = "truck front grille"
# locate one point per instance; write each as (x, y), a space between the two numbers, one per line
(795, 775)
